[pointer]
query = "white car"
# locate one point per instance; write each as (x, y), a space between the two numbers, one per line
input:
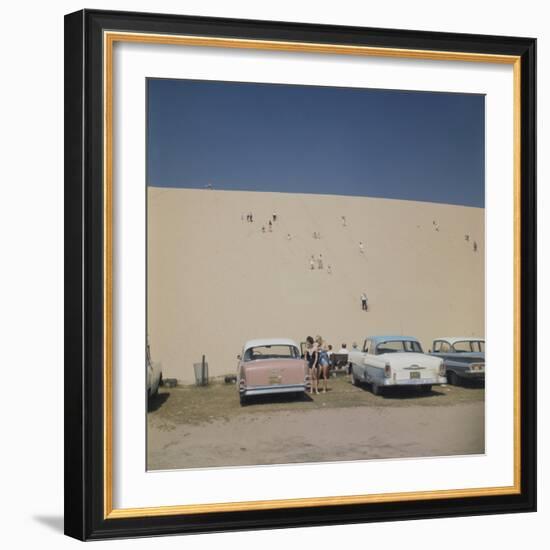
(154, 374)
(395, 361)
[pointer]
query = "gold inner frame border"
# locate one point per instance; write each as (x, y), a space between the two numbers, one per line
(109, 39)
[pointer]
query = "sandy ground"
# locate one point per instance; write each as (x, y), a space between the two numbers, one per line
(215, 281)
(347, 423)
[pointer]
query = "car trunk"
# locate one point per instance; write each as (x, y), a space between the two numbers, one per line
(410, 366)
(274, 372)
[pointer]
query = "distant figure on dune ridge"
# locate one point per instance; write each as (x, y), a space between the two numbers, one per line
(288, 236)
(344, 221)
(364, 305)
(467, 238)
(274, 216)
(270, 226)
(320, 262)
(263, 228)
(361, 247)
(329, 270)
(475, 246)
(311, 263)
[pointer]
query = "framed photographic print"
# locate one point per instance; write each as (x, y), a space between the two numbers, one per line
(289, 250)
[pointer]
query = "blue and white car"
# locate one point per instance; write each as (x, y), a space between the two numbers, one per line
(395, 361)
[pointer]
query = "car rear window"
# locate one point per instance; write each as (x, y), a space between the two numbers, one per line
(392, 346)
(271, 352)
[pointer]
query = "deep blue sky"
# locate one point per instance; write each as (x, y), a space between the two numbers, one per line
(307, 139)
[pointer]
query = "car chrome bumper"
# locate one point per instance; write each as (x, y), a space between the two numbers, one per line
(415, 381)
(279, 388)
(472, 375)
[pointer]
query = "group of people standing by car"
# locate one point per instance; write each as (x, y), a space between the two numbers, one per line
(317, 354)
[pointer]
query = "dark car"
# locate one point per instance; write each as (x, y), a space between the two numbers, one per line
(464, 358)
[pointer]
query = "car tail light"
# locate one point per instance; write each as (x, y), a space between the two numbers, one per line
(442, 369)
(387, 371)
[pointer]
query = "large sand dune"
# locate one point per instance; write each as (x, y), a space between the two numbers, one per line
(215, 280)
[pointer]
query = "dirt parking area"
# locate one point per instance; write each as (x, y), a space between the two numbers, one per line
(197, 427)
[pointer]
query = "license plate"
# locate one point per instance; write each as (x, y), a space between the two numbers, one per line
(274, 380)
(415, 375)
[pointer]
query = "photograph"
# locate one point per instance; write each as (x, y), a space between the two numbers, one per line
(315, 274)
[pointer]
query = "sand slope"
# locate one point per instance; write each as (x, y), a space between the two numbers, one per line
(215, 281)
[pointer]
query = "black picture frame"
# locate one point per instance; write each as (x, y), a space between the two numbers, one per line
(85, 517)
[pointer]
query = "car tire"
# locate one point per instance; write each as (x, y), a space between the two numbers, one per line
(376, 389)
(243, 400)
(427, 388)
(453, 379)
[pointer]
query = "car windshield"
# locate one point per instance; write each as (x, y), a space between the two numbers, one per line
(271, 352)
(465, 346)
(392, 346)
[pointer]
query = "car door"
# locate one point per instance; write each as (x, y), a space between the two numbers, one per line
(368, 351)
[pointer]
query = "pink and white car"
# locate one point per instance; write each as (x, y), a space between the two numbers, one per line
(269, 366)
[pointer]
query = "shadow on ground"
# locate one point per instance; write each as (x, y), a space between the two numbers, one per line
(472, 384)
(277, 398)
(413, 392)
(157, 401)
(55, 523)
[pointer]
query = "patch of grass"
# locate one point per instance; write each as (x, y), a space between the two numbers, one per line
(218, 401)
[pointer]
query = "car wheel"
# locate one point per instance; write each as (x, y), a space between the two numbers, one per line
(243, 400)
(376, 390)
(427, 388)
(453, 379)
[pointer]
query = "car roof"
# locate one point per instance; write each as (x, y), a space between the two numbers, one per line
(270, 342)
(454, 339)
(387, 337)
